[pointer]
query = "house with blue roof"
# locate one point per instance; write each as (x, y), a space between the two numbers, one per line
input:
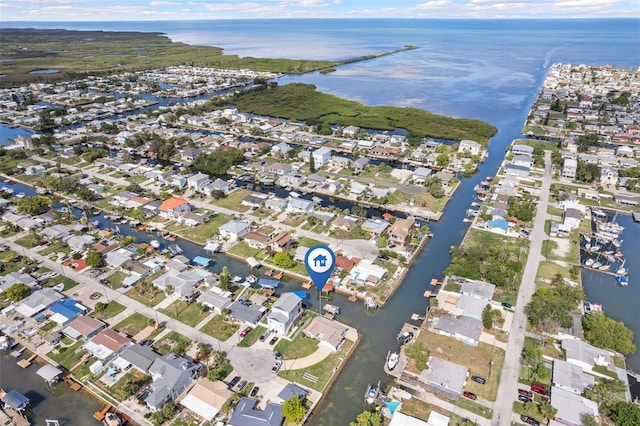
(64, 311)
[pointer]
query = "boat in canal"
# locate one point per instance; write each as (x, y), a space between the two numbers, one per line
(154, 243)
(392, 360)
(622, 280)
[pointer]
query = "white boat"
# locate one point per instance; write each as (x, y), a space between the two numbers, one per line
(237, 279)
(589, 262)
(251, 279)
(154, 243)
(597, 265)
(605, 267)
(294, 194)
(20, 195)
(332, 309)
(392, 360)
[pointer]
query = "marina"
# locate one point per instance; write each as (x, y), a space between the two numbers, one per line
(601, 249)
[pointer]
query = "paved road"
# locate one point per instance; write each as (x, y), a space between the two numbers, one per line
(511, 370)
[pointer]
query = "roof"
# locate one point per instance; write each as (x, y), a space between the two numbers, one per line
(250, 314)
(83, 326)
(287, 302)
(171, 373)
(206, 398)
(110, 339)
(376, 226)
(292, 390)
(38, 301)
(266, 282)
(234, 226)
(139, 356)
(245, 415)
(464, 326)
(68, 308)
(401, 419)
(48, 372)
(571, 407)
(16, 400)
(326, 330)
(522, 148)
(172, 203)
(214, 300)
(570, 376)
(446, 375)
(471, 306)
(584, 352)
(478, 288)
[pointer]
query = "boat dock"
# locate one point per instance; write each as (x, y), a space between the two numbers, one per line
(636, 217)
(24, 363)
(100, 415)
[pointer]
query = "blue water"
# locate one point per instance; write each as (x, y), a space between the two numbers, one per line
(486, 69)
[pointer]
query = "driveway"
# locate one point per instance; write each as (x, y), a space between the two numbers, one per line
(253, 364)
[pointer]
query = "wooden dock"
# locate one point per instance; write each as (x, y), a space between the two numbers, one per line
(278, 275)
(434, 281)
(24, 363)
(269, 272)
(307, 284)
(100, 415)
(74, 385)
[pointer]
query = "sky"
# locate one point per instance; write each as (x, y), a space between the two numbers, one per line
(151, 10)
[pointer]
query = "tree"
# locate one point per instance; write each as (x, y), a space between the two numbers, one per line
(587, 172)
(443, 160)
(606, 393)
(225, 282)
(624, 414)
(312, 164)
(18, 291)
(284, 260)
(367, 418)
(589, 420)
(418, 353)
(168, 409)
(100, 306)
(85, 194)
(293, 410)
(604, 332)
(34, 204)
(217, 164)
(487, 317)
(162, 149)
(547, 410)
(94, 259)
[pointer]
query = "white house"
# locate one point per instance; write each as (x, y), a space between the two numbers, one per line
(330, 333)
(608, 176)
(321, 156)
(198, 181)
(471, 147)
(299, 205)
(234, 229)
(569, 168)
(284, 313)
(584, 355)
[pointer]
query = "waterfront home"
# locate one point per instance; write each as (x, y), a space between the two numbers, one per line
(55, 232)
(138, 270)
(21, 220)
(198, 181)
(347, 146)
(256, 240)
(478, 289)
(117, 258)
(360, 164)
(519, 149)
(280, 242)
(107, 344)
(194, 219)
(519, 171)
(64, 311)
(444, 376)
(190, 154)
(321, 157)
(435, 419)
(174, 207)
(608, 176)
(569, 169)
(277, 169)
(18, 278)
(171, 375)
(626, 201)
(344, 222)
(281, 149)
(315, 179)
(276, 203)
(328, 332)
(570, 377)
(446, 178)
(420, 175)
(522, 160)
(252, 201)
(234, 229)
(469, 147)
(244, 414)
(624, 151)
(218, 185)
(339, 161)
(206, 398)
(467, 330)
(571, 219)
(284, 314)
(184, 283)
(571, 408)
(34, 170)
(365, 272)
(375, 227)
(585, 355)
(400, 231)
(470, 306)
(138, 357)
(291, 390)
(350, 131)
(215, 299)
(121, 198)
(84, 328)
(300, 253)
(299, 205)
(246, 313)
(38, 301)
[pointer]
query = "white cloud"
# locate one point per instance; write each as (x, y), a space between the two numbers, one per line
(165, 3)
(435, 4)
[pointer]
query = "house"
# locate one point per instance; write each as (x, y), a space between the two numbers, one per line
(280, 242)
(571, 407)
(291, 390)
(400, 231)
(470, 306)
(300, 253)
(218, 185)
(137, 356)
(256, 240)
(365, 272)
(276, 203)
(79, 242)
(444, 376)
(206, 398)
(198, 181)
(246, 313)
(117, 258)
(350, 131)
(38, 301)
(375, 226)
(360, 164)
(420, 175)
(107, 344)
(467, 330)
(252, 201)
(34, 169)
(470, 147)
(571, 219)
(171, 375)
(234, 229)
(519, 171)
(585, 355)
(299, 205)
(522, 150)
(64, 311)
(55, 232)
(18, 278)
(478, 289)
(277, 169)
(344, 222)
(330, 333)
(608, 176)
(184, 283)
(246, 415)
(215, 300)
(569, 169)
(285, 312)
(445, 178)
(174, 207)
(194, 219)
(522, 160)
(84, 328)
(321, 156)
(356, 188)
(570, 377)
(281, 149)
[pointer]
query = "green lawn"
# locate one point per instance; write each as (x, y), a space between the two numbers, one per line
(115, 279)
(252, 337)
(137, 179)
(118, 388)
(112, 309)
(168, 343)
(233, 200)
(548, 270)
(294, 220)
(322, 370)
(150, 298)
(201, 233)
(299, 347)
(262, 213)
(474, 407)
(68, 282)
(219, 328)
(243, 250)
(183, 311)
(133, 324)
(308, 242)
(67, 357)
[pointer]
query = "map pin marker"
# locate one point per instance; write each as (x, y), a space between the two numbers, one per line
(320, 261)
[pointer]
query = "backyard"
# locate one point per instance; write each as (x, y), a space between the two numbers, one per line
(171, 342)
(190, 313)
(133, 324)
(219, 328)
(201, 233)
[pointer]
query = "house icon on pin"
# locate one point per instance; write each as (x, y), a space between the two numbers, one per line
(320, 260)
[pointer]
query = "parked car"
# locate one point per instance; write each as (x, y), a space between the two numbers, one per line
(254, 391)
(264, 335)
(525, 392)
(507, 305)
(539, 389)
(529, 420)
(524, 399)
(478, 379)
(470, 395)
(241, 385)
(245, 331)
(277, 354)
(273, 341)
(276, 366)
(233, 382)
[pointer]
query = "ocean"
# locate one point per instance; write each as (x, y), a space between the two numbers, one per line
(486, 69)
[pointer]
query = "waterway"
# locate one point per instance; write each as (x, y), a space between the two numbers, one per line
(56, 401)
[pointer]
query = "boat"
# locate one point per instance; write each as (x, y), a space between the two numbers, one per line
(332, 309)
(622, 280)
(6, 342)
(371, 394)
(589, 262)
(251, 279)
(237, 279)
(95, 223)
(597, 265)
(170, 238)
(604, 267)
(587, 246)
(21, 195)
(111, 419)
(154, 243)
(392, 360)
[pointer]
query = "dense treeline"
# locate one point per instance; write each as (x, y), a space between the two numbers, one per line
(301, 102)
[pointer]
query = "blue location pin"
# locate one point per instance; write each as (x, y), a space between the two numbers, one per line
(320, 261)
